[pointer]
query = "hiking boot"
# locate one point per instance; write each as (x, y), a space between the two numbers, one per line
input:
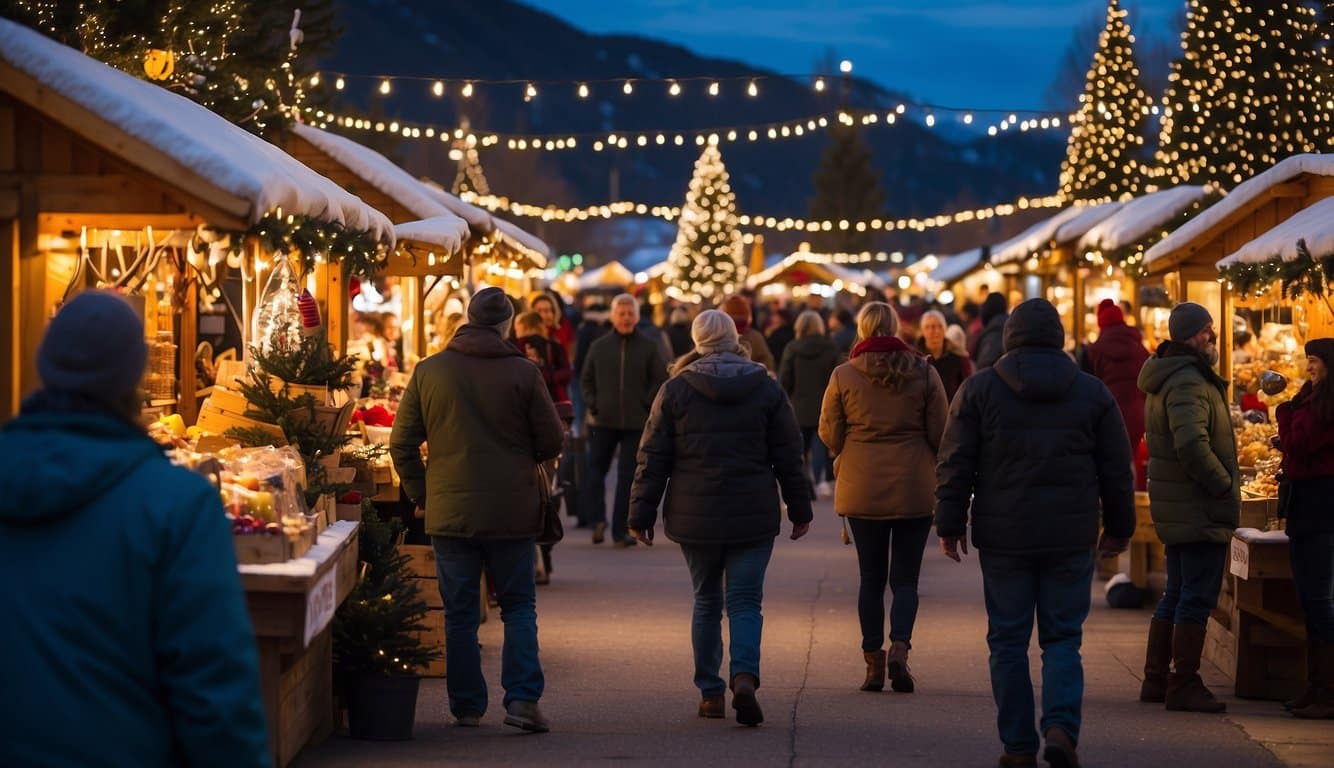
(743, 700)
(1060, 751)
(1009, 760)
(1157, 662)
(896, 667)
(599, 532)
(1321, 704)
(875, 671)
(526, 715)
(1186, 692)
(713, 707)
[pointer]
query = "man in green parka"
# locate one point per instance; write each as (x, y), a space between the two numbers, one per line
(1194, 496)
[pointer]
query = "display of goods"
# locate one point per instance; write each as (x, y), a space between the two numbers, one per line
(1254, 444)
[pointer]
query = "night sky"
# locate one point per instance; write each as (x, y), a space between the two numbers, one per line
(968, 53)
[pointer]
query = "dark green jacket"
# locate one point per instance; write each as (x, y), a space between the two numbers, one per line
(1194, 482)
(487, 419)
(621, 376)
(804, 373)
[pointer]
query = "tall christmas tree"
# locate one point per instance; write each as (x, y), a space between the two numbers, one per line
(705, 261)
(470, 177)
(1244, 93)
(1107, 132)
(847, 188)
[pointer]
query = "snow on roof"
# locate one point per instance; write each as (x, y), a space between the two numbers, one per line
(226, 156)
(530, 245)
(1036, 238)
(863, 277)
(952, 268)
(612, 273)
(1141, 217)
(479, 220)
(1075, 228)
(447, 232)
(1314, 224)
(1239, 198)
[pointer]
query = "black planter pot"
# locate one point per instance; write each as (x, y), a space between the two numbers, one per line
(382, 708)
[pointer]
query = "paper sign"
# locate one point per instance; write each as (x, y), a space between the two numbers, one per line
(320, 605)
(1239, 560)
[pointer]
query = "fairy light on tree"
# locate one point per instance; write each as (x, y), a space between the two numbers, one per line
(705, 260)
(1245, 92)
(1108, 131)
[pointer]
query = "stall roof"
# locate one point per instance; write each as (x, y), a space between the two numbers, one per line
(1141, 217)
(225, 165)
(1239, 199)
(445, 232)
(1077, 227)
(479, 220)
(613, 273)
(952, 268)
(1036, 238)
(1314, 224)
(530, 245)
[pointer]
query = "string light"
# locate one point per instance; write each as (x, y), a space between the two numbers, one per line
(384, 87)
(467, 90)
(438, 89)
(819, 84)
(530, 92)
(674, 89)
(753, 90)
(339, 84)
(713, 89)
(583, 90)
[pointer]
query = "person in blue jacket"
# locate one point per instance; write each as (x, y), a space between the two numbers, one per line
(125, 638)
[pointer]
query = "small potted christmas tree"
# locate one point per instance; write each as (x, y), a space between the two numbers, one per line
(376, 647)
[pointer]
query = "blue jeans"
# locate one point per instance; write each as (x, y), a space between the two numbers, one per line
(1312, 558)
(458, 564)
(1056, 588)
(741, 568)
(1194, 578)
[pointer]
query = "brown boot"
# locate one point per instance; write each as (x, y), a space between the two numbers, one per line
(713, 707)
(743, 700)
(1321, 706)
(875, 671)
(1060, 751)
(1157, 662)
(1008, 760)
(896, 667)
(1186, 692)
(1312, 677)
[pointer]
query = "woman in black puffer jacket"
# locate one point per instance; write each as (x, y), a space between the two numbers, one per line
(722, 431)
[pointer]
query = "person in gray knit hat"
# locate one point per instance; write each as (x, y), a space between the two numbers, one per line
(1194, 498)
(485, 414)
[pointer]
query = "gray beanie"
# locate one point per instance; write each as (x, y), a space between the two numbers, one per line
(1186, 320)
(490, 307)
(94, 347)
(714, 331)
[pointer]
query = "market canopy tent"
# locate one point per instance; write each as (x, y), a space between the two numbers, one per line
(613, 274)
(89, 147)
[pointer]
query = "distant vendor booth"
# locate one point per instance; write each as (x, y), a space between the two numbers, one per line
(804, 273)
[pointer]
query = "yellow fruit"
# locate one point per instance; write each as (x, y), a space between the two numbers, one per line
(174, 423)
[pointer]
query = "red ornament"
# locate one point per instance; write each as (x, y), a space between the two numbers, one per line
(310, 313)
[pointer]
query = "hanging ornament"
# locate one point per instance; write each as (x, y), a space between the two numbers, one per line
(310, 314)
(278, 320)
(159, 64)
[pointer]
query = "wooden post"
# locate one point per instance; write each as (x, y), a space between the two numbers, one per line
(1079, 278)
(187, 405)
(336, 319)
(10, 341)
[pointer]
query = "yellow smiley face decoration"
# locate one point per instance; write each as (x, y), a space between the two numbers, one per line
(159, 64)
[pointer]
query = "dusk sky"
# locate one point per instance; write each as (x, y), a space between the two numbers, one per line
(969, 53)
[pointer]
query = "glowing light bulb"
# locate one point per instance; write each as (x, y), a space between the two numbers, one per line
(339, 83)
(467, 90)
(845, 67)
(753, 90)
(384, 87)
(819, 83)
(583, 91)
(438, 89)
(713, 89)
(675, 88)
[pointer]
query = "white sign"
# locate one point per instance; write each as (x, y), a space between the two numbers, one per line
(1239, 561)
(320, 605)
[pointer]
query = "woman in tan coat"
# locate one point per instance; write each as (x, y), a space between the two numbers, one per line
(882, 418)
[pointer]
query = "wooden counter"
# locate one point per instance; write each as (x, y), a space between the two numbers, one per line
(291, 605)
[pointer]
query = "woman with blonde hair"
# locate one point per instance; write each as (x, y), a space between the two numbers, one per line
(882, 418)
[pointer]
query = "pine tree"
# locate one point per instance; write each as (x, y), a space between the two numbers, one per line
(1243, 95)
(847, 188)
(234, 57)
(1107, 132)
(705, 262)
(470, 177)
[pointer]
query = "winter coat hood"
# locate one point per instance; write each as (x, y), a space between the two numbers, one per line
(481, 341)
(1035, 323)
(1171, 360)
(811, 347)
(1037, 374)
(725, 377)
(69, 460)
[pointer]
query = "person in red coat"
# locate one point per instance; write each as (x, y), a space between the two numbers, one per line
(559, 327)
(1116, 358)
(1306, 437)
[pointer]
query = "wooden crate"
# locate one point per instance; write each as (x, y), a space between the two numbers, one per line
(434, 637)
(347, 512)
(319, 392)
(212, 419)
(421, 564)
(264, 548)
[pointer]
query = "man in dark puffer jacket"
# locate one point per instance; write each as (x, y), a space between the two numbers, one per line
(1035, 445)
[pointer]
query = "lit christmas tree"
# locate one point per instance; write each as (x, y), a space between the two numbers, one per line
(1108, 131)
(1244, 93)
(705, 261)
(470, 177)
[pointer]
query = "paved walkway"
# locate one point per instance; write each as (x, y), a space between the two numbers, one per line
(616, 648)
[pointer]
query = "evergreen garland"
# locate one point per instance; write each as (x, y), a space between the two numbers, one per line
(312, 363)
(1306, 274)
(359, 253)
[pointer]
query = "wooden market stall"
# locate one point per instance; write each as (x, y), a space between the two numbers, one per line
(825, 274)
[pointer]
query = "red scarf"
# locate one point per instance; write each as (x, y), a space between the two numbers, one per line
(881, 344)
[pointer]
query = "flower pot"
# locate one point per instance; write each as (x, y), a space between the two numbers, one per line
(382, 708)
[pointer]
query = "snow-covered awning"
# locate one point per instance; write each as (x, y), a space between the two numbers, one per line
(955, 267)
(1240, 199)
(819, 268)
(613, 274)
(1141, 217)
(527, 245)
(479, 220)
(1077, 227)
(444, 232)
(172, 138)
(1314, 224)
(1036, 238)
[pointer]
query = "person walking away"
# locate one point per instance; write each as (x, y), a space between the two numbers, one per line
(1306, 437)
(807, 364)
(545, 353)
(950, 360)
(129, 642)
(485, 415)
(753, 342)
(678, 332)
(720, 434)
(990, 340)
(781, 332)
(1116, 358)
(647, 327)
(1033, 448)
(621, 376)
(1194, 498)
(882, 418)
(843, 332)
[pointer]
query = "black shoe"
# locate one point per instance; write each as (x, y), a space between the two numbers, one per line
(599, 532)
(626, 543)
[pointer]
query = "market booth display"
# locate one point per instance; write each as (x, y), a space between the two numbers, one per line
(824, 274)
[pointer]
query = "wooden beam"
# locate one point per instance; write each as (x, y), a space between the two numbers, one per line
(186, 405)
(93, 128)
(10, 342)
(1199, 250)
(83, 194)
(53, 223)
